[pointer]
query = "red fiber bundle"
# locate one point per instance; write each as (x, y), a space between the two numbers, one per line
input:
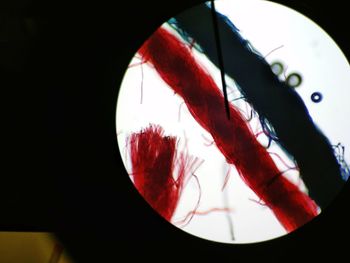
(177, 67)
(153, 158)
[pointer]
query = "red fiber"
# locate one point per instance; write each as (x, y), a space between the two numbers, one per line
(159, 172)
(152, 158)
(184, 222)
(227, 176)
(178, 68)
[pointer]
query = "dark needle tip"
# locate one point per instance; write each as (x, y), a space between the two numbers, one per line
(220, 58)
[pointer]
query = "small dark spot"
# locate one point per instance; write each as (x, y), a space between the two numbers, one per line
(316, 97)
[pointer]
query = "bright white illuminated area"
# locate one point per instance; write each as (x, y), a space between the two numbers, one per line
(215, 203)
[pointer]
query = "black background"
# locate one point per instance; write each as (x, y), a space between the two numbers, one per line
(60, 68)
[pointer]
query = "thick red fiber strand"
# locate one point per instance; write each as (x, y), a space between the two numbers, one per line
(177, 67)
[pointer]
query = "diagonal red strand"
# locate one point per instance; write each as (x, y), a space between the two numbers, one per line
(177, 67)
